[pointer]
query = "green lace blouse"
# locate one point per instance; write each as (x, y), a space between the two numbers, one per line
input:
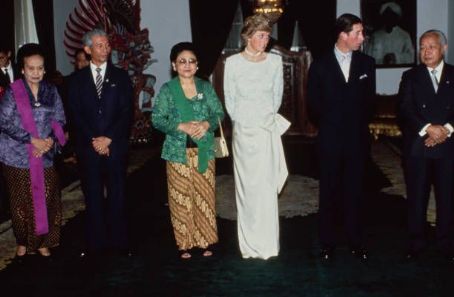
(166, 118)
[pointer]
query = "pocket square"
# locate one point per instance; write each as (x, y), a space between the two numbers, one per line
(363, 76)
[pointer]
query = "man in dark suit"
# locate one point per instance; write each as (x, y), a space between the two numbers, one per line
(341, 87)
(426, 112)
(8, 71)
(100, 100)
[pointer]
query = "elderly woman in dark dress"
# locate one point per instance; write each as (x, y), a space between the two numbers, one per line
(31, 119)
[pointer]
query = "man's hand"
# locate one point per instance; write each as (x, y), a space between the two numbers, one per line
(101, 145)
(437, 134)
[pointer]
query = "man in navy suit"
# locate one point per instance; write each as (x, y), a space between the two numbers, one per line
(341, 88)
(100, 100)
(427, 116)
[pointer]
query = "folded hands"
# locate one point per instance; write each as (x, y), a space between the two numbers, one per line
(437, 134)
(101, 145)
(195, 129)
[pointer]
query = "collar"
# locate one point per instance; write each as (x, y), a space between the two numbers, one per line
(9, 68)
(341, 55)
(103, 67)
(439, 68)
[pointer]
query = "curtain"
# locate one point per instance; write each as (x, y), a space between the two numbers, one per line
(24, 23)
(316, 21)
(44, 19)
(210, 30)
(7, 25)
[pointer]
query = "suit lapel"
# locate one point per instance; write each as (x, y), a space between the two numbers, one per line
(445, 78)
(354, 68)
(89, 79)
(337, 67)
(424, 78)
(107, 79)
(3, 79)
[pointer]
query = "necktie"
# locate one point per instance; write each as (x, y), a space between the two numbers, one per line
(433, 75)
(345, 66)
(98, 82)
(7, 74)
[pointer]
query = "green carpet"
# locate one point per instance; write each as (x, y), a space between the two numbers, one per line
(156, 269)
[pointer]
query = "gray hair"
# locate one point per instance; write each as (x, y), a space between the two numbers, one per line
(441, 36)
(86, 39)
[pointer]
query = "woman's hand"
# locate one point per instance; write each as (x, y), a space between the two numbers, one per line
(41, 146)
(200, 130)
(187, 127)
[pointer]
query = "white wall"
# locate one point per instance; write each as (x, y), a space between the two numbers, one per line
(451, 32)
(168, 22)
(62, 9)
(430, 14)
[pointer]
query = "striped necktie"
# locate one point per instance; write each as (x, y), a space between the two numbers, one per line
(98, 82)
(433, 75)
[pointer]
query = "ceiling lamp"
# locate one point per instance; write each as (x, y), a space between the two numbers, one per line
(271, 8)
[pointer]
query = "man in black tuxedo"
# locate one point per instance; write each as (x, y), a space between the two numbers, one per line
(341, 88)
(8, 71)
(426, 112)
(100, 99)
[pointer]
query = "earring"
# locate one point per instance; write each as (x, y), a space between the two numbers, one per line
(197, 68)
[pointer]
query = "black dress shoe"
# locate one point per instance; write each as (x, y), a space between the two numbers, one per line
(411, 256)
(126, 253)
(327, 254)
(19, 259)
(360, 253)
(120, 253)
(450, 258)
(83, 255)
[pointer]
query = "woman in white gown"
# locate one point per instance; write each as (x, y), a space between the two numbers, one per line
(253, 85)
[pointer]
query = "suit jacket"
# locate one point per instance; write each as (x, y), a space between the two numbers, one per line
(420, 105)
(4, 82)
(342, 109)
(108, 116)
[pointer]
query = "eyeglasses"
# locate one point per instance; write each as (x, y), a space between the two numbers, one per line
(189, 61)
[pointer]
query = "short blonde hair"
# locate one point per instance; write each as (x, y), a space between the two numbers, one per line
(254, 23)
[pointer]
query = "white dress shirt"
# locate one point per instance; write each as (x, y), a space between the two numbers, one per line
(344, 59)
(95, 73)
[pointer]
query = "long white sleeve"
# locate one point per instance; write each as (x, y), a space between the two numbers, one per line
(229, 89)
(278, 86)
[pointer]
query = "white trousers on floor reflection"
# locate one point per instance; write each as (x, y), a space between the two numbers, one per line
(260, 172)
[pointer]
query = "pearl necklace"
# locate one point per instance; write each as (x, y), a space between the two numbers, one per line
(252, 54)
